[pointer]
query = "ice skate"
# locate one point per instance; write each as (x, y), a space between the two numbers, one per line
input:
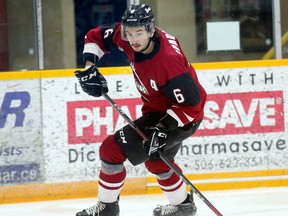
(183, 209)
(101, 209)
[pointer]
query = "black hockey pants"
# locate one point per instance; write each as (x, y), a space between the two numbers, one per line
(131, 143)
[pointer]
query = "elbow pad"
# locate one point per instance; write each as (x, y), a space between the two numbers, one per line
(90, 57)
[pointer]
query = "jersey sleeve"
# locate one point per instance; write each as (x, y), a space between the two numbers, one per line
(182, 87)
(99, 41)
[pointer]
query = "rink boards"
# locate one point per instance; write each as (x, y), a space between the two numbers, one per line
(51, 131)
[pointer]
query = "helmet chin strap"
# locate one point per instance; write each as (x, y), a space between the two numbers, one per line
(141, 51)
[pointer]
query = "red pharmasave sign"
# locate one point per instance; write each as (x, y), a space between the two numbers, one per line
(228, 113)
(91, 121)
(243, 113)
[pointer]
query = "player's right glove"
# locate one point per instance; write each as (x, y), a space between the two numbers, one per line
(92, 82)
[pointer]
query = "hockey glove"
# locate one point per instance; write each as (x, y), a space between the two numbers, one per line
(156, 142)
(92, 82)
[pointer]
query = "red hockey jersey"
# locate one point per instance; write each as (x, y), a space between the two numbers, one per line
(165, 79)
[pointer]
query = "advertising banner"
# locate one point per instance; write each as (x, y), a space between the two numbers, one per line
(75, 124)
(244, 127)
(20, 132)
(245, 123)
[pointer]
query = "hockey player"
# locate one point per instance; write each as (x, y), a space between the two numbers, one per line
(173, 101)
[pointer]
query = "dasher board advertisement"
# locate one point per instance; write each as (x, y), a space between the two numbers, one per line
(21, 158)
(244, 127)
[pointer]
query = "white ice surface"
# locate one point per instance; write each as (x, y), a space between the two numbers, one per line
(252, 202)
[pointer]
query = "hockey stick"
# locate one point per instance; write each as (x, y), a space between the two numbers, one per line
(162, 156)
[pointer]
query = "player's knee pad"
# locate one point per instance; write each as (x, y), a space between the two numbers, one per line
(111, 169)
(160, 168)
(110, 152)
(157, 166)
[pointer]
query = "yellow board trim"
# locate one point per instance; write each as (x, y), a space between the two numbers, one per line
(229, 185)
(16, 75)
(240, 64)
(136, 186)
(223, 175)
(232, 184)
(67, 190)
(20, 75)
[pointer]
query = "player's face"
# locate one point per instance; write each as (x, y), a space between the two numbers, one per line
(138, 38)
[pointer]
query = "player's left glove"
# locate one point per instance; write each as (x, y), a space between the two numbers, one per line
(156, 142)
(92, 81)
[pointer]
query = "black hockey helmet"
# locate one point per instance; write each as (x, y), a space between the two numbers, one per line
(139, 15)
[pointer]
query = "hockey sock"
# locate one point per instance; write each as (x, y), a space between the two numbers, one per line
(174, 189)
(110, 184)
